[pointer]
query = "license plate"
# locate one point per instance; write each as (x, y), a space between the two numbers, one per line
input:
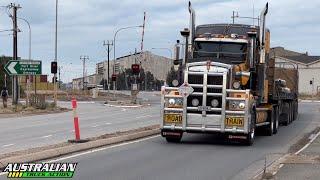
(204, 108)
(173, 118)
(234, 121)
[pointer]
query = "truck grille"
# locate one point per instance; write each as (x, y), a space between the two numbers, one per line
(195, 80)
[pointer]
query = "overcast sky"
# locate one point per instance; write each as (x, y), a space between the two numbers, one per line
(84, 24)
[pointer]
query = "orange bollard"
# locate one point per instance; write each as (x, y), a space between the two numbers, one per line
(75, 119)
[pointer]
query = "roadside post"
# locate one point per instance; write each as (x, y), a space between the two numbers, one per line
(75, 119)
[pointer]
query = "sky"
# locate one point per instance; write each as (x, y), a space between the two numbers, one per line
(83, 25)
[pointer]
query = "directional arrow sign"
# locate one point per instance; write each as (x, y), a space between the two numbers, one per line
(23, 67)
(185, 90)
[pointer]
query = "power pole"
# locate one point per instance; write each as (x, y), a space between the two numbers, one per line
(59, 69)
(84, 59)
(15, 84)
(55, 56)
(108, 51)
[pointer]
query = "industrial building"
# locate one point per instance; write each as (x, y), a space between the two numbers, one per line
(308, 68)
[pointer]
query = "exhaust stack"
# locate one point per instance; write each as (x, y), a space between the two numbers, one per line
(262, 85)
(192, 26)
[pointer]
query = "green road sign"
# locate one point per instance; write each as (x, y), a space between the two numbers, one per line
(23, 67)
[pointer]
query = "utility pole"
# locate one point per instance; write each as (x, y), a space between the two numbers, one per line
(15, 84)
(108, 51)
(233, 17)
(59, 70)
(84, 59)
(55, 56)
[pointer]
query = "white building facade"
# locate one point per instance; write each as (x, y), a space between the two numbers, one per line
(308, 68)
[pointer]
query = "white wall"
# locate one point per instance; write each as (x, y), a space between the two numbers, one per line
(307, 73)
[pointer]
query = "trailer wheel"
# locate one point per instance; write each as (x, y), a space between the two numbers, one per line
(276, 119)
(291, 112)
(286, 115)
(296, 110)
(270, 127)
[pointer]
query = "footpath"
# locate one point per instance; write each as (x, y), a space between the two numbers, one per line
(304, 164)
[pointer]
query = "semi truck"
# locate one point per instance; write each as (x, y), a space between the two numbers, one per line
(228, 83)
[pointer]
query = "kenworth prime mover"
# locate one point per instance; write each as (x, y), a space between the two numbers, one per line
(228, 83)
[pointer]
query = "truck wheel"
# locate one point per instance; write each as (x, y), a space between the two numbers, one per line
(276, 120)
(270, 127)
(296, 110)
(173, 139)
(290, 112)
(286, 115)
(251, 135)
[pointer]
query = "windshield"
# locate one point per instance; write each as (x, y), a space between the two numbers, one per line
(233, 53)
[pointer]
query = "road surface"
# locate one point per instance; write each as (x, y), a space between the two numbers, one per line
(95, 119)
(197, 157)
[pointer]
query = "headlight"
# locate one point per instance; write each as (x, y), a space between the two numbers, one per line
(215, 103)
(175, 83)
(236, 84)
(242, 105)
(237, 105)
(172, 101)
(195, 102)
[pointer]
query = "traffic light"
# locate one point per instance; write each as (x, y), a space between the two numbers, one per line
(54, 67)
(135, 68)
(114, 77)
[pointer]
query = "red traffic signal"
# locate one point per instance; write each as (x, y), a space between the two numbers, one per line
(114, 77)
(135, 68)
(54, 67)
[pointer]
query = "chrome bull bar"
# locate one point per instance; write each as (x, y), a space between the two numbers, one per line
(205, 122)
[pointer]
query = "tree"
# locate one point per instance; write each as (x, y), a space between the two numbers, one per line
(3, 61)
(172, 75)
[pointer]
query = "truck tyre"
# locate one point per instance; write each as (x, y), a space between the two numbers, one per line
(276, 119)
(270, 127)
(174, 139)
(296, 110)
(290, 112)
(251, 135)
(286, 115)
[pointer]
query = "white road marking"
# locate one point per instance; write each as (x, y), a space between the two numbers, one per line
(139, 117)
(46, 136)
(101, 149)
(85, 102)
(296, 153)
(123, 109)
(108, 123)
(7, 145)
(308, 144)
(95, 126)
